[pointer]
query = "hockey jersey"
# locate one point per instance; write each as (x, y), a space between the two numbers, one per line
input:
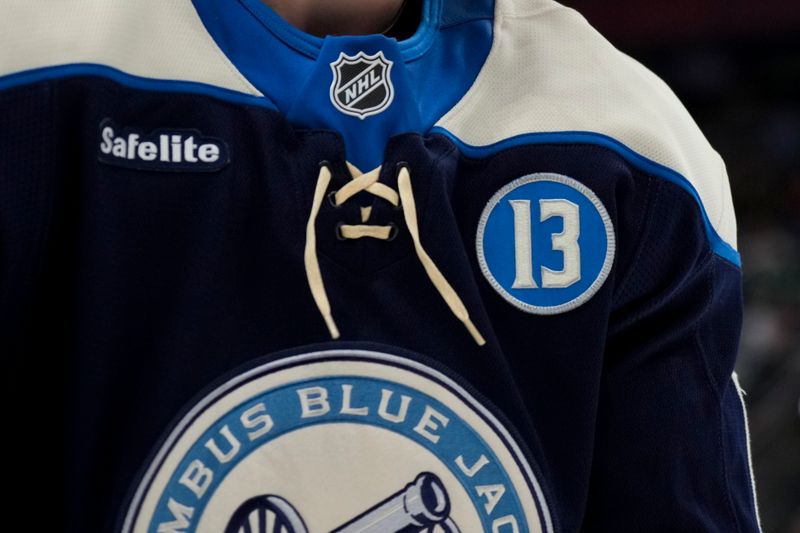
(482, 279)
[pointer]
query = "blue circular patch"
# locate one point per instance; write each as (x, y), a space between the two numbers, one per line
(545, 243)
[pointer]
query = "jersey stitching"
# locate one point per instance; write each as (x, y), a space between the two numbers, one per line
(500, 17)
(247, 87)
(538, 13)
(718, 394)
(643, 229)
(462, 22)
(459, 107)
(58, 73)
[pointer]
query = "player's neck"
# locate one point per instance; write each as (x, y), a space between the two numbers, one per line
(338, 17)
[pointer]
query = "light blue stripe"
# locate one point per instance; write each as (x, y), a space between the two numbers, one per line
(718, 245)
(27, 77)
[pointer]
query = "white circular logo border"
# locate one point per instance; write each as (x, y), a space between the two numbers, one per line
(156, 463)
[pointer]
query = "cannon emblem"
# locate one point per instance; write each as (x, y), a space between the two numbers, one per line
(422, 506)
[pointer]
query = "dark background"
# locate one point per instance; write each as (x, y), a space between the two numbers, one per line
(736, 67)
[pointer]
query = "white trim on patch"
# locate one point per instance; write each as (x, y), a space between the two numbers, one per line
(608, 260)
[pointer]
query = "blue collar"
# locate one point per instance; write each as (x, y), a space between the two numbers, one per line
(292, 69)
(310, 45)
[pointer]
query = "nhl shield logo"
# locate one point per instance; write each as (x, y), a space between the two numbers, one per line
(362, 84)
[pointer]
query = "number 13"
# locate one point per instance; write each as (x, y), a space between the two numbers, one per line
(566, 242)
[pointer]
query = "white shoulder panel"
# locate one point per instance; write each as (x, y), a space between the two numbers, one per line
(160, 39)
(549, 71)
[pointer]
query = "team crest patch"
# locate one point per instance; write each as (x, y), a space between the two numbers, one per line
(362, 84)
(339, 441)
(545, 243)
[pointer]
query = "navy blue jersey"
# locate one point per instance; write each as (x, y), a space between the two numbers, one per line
(484, 278)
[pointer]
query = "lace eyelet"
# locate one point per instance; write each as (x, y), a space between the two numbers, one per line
(393, 232)
(332, 200)
(338, 230)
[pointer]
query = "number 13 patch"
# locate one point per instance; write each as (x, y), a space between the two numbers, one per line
(545, 243)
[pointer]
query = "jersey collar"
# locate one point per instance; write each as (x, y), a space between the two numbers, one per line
(431, 70)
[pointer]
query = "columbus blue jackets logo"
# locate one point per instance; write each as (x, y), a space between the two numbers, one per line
(339, 441)
(362, 84)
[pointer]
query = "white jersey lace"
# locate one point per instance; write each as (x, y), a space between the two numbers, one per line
(403, 198)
